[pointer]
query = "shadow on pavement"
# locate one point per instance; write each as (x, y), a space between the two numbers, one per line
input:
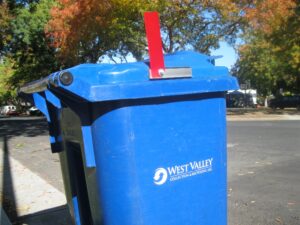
(55, 216)
(8, 197)
(17, 126)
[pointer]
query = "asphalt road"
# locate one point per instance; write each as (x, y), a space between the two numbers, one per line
(263, 168)
(264, 173)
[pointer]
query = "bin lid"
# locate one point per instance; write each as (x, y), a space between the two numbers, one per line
(104, 82)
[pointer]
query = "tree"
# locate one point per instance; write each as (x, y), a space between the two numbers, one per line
(258, 64)
(83, 30)
(286, 41)
(269, 15)
(17, 4)
(7, 95)
(29, 48)
(270, 55)
(5, 35)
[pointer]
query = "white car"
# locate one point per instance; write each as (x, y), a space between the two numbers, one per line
(8, 110)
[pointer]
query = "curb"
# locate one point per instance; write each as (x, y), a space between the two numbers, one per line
(262, 117)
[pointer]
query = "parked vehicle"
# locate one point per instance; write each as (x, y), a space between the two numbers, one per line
(238, 99)
(9, 110)
(33, 111)
(285, 102)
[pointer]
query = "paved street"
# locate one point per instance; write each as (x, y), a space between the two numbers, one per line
(263, 172)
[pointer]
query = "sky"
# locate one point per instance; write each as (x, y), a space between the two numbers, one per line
(228, 53)
(225, 50)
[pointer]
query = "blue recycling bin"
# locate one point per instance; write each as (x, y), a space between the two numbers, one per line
(136, 151)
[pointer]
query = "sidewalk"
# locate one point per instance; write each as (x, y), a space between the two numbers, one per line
(31, 190)
(262, 114)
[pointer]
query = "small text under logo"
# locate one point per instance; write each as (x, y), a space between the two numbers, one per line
(178, 172)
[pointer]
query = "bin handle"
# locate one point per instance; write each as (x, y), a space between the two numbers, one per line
(35, 86)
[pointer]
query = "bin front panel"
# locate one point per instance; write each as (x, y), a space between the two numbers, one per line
(162, 161)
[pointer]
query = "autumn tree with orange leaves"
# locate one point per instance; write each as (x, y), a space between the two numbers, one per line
(84, 30)
(270, 55)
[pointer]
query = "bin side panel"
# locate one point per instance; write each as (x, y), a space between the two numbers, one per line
(79, 180)
(162, 161)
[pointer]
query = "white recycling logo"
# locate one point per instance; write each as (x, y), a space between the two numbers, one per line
(160, 176)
